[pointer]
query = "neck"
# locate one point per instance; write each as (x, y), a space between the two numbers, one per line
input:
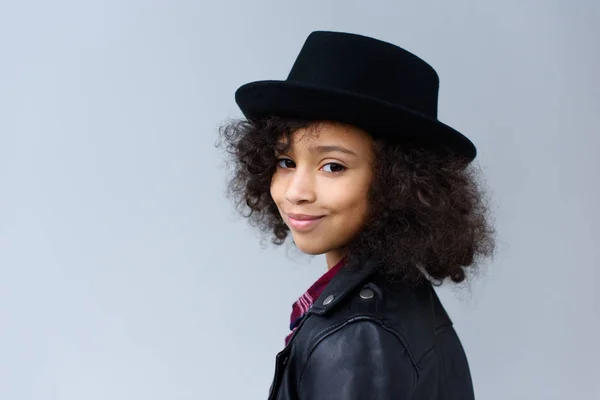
(333, 257)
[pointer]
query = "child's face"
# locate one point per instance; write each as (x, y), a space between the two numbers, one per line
(329, 184)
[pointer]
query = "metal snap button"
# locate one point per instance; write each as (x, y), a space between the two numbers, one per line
(328, 300)
(366, 293)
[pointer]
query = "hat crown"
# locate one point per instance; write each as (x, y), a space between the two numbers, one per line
(362, 81)
(366, 66)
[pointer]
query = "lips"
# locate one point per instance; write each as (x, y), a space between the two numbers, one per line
(302, 222)
(303, 217)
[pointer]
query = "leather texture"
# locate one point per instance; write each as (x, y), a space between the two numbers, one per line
(374, 339)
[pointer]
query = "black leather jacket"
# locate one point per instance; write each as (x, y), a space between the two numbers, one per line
(367, 338)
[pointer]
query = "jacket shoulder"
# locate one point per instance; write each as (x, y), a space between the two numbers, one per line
(412, 314)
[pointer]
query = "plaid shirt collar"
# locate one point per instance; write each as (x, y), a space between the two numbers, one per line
(305, 302)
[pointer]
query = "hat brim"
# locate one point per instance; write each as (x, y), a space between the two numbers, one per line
(379, 118)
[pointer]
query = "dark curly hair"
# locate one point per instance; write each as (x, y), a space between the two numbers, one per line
(428, 215)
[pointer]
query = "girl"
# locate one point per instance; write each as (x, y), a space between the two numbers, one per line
(349, 157)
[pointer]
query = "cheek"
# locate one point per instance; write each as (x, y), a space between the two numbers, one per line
(352, 203)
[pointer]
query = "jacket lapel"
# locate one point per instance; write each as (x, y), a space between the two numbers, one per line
(344, 282)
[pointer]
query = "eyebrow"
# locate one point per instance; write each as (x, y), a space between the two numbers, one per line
(330, 149)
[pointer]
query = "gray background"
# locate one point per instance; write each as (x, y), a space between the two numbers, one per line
(126, 274)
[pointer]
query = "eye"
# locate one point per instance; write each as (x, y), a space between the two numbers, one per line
(285, 162)
(335, 168)
(340, 168)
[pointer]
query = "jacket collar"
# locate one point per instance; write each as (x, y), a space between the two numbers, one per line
(344, 282)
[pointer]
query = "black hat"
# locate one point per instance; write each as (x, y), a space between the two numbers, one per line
(361, 81)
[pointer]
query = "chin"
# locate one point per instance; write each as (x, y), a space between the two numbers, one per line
(310, 248)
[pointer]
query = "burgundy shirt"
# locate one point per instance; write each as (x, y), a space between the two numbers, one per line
(305, 302)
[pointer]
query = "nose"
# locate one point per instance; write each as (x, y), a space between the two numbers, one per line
(300, 187)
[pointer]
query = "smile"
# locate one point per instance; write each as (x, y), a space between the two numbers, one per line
(305, 224)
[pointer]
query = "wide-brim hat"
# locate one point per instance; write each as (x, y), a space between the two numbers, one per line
(374, 85)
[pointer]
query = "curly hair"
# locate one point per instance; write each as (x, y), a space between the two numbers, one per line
(428, 216)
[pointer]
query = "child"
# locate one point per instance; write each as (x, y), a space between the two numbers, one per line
(348, 156)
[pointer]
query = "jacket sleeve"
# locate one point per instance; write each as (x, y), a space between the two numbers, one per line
(361, 360)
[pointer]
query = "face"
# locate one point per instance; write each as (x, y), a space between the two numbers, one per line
(320, 187)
